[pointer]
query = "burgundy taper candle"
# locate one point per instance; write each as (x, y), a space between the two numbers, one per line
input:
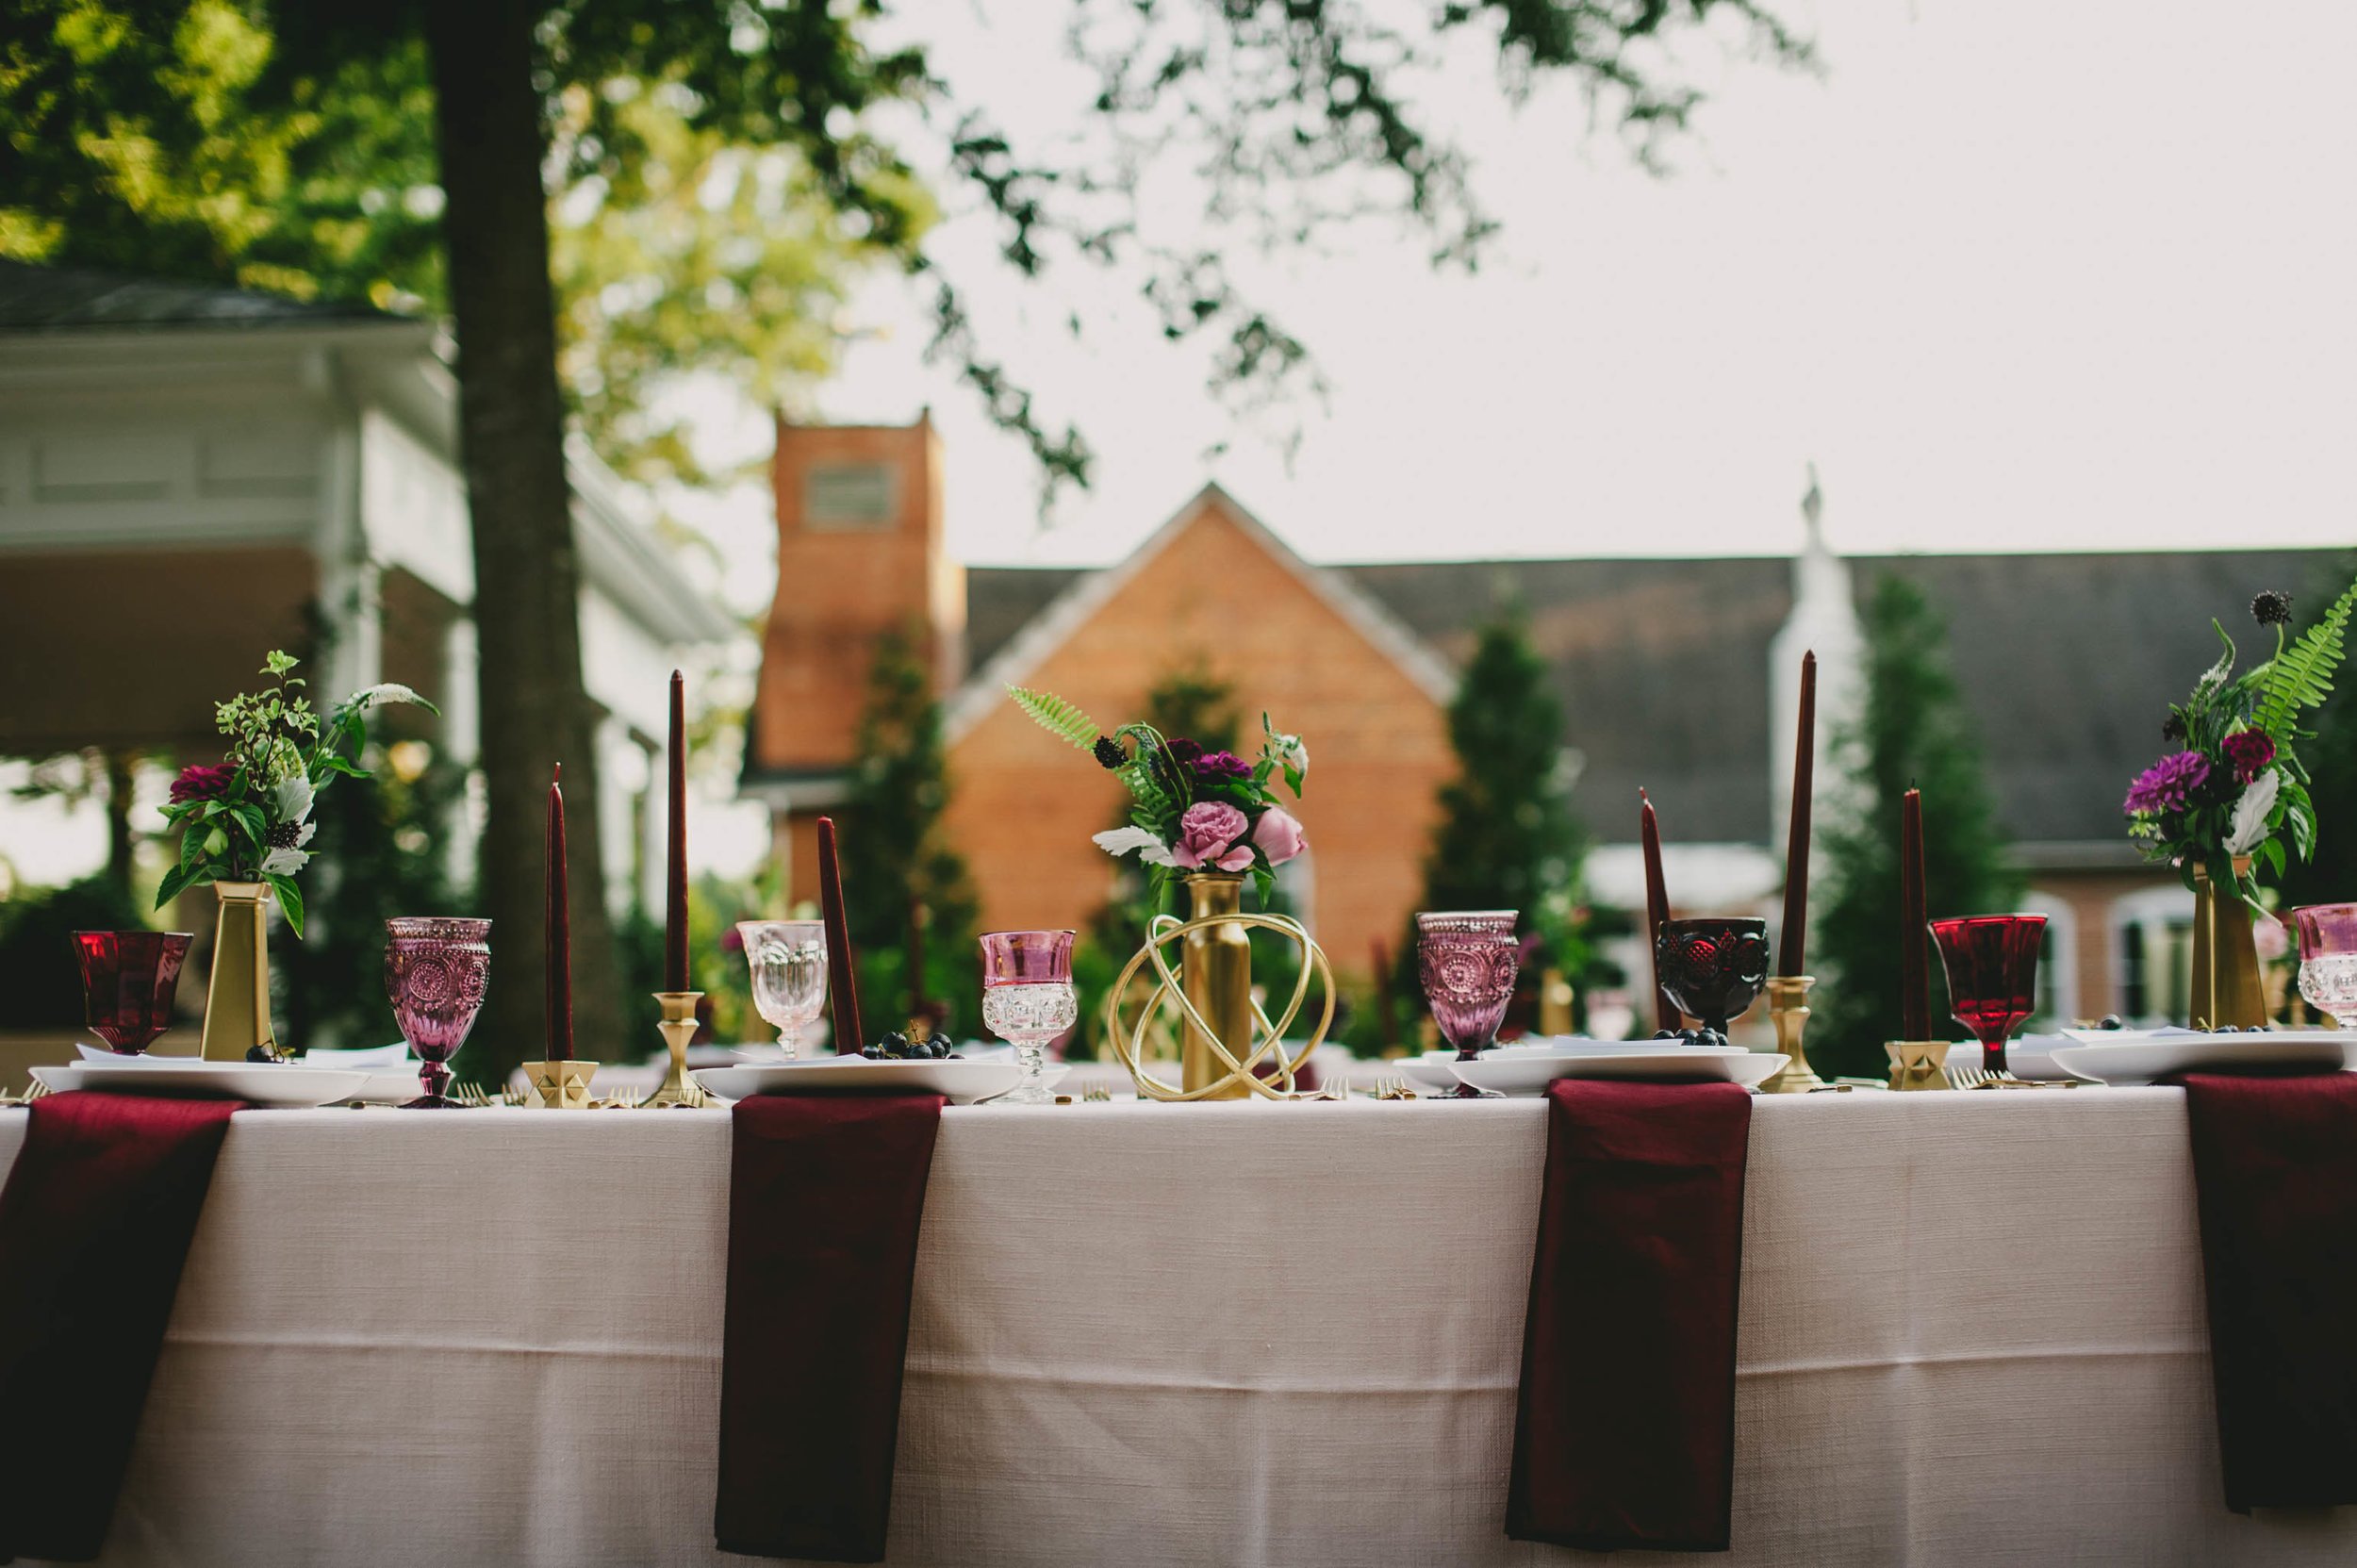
(1915, 995)
(1656, 910)
(842, 978)
(675, 861)
(1792, 941)
(559, 963)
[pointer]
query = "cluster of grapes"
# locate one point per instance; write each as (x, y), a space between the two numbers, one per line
(1694, 1036)
(897, 1046)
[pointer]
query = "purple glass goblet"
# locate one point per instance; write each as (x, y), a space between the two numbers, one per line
(1991, 963)
(2328, 959)
(1028, 1000)
(435, 970)
(1714, 966)
(1467, 960)
(129, 979)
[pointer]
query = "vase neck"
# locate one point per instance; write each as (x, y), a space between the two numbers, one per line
(1215, 894)
(242, 892)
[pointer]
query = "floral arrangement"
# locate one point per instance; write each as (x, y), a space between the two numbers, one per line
(1191, 810)
(248, 816)
(2235, 786)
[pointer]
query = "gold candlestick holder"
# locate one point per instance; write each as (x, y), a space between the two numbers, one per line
(561, 1085)
(678, 1027)
(1787, 1010)
(1918, 1063)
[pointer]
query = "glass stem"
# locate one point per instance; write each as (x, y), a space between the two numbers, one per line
(435, 1076)
(1031, 1056)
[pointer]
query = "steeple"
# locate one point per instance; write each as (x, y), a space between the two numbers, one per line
(1823, 618)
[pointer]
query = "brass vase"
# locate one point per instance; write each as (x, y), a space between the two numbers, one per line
(1215, 972)
(2226, 984)
(237, 1001)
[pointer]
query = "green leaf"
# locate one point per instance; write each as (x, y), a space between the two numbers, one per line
(191, 845)
(291, 900)
(2301, 675)
(1062, 719)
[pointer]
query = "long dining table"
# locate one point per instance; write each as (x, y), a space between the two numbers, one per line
(1971, 1331)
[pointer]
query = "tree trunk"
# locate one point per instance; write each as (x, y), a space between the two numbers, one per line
(527, 572)
(119, 767)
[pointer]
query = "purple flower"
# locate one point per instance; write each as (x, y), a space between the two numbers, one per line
(1222, 765)
(1212, 834)
(202, 782)
(1183, 751)
(2167, 784)
(2249, 751)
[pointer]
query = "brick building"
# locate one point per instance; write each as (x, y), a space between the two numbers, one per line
(1674, 673)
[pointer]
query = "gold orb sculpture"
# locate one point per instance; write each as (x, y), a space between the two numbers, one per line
(1241, 1059)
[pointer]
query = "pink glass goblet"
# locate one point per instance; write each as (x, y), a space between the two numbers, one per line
(435, 970)
(2328, 959)
(1027, 999)
(1991, 963)
(1467, 960)
(129, 979)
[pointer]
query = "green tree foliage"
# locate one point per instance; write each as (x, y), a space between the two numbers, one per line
(41, 987)
(1913, 731)
(896, 860)
(2331, 757)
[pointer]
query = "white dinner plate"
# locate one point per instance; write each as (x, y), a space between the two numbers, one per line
(2157, 1056)
(964, 1081)
(1530, 1075)
(260, 1084)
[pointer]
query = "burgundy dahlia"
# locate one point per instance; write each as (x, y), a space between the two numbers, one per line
(1222, 765)
(2167, 784)
(1184, 753)
(2249, 751)
(202, 782)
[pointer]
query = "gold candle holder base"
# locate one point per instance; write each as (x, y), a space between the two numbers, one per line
(561, 1085)
(1918, 1063)
(1787, 1010)
(678, 1027)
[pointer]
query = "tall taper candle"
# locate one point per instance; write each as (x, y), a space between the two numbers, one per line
(842, 975)
(559, 1026)
(675, 897)
(1656, 910)
(1915, 995)
(1792, 941)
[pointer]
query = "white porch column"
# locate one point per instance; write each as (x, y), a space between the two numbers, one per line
(350, 596)
(623, 776)
(1823, 620)
(461, 743)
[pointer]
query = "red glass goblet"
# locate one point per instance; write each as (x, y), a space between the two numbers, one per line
(128, 977)
(1467, 960)
(1991, 961)
(1713, 967)
(435, 970)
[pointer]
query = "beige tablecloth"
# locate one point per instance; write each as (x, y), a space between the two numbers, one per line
(1253, 1334)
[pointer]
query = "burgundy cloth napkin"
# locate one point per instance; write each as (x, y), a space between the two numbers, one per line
(825, 1198)
(2275, 1171)
(1625, 1431)
(94, 1224)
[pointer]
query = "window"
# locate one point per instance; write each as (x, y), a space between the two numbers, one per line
(2152, 948)
(843, 497)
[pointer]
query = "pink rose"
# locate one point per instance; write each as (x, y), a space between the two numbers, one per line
(1212, 833)
(1280, 835)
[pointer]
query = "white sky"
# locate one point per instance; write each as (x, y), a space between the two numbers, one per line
(2016, 274)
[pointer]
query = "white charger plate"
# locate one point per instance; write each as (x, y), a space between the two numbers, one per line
(260, 1084)
(2129, 1061)
(1531, 1074)
(964, 1080)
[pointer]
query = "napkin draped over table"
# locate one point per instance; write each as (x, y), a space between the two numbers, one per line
(94, 1225)
(826, 1194)
(1625, 1429)
(2275, 1170)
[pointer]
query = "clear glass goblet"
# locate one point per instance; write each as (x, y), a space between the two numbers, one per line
(1027, 999)
(2327, 959)
(1467, 960)
(788, 962)
(435, 970)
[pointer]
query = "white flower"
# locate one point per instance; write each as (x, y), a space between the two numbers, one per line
(1150, 846)
(1291, 752)
(294, 798)
(387, 691)
(2250, 827)
(286, 863)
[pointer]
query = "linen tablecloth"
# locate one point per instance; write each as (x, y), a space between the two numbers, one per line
(1972, 1332)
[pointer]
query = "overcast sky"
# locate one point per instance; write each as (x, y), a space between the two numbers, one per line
(2016, 274)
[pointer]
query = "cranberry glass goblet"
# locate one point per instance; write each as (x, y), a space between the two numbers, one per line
(1027, 999)
(1991, 961)
(788, 960)
(1467, 960)
(1713, 967)
(128, 977)
(435, 970)
(2328, 959)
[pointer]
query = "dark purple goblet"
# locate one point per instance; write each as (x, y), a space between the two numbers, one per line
(1713, 967)
(1991, 961)
(435, 970)
(1467, 960)
(128, 977)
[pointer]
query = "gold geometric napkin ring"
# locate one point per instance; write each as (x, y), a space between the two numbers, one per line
(1268, 1038)
(561, 1085)
(1918, 1063)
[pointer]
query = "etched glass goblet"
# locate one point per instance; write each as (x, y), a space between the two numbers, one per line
(128, 977)
(1467, 960)
(2328, 959)
(1714, 966)
(1991, 961)
(788, 960)
(1027, 999)
(435, 970)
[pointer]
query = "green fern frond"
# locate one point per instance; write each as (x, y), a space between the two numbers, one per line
(2301, 675)
(1062, 719)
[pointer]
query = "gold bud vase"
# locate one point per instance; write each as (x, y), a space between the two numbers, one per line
(2226, 984)
(1215, 972)
(237, 1000)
